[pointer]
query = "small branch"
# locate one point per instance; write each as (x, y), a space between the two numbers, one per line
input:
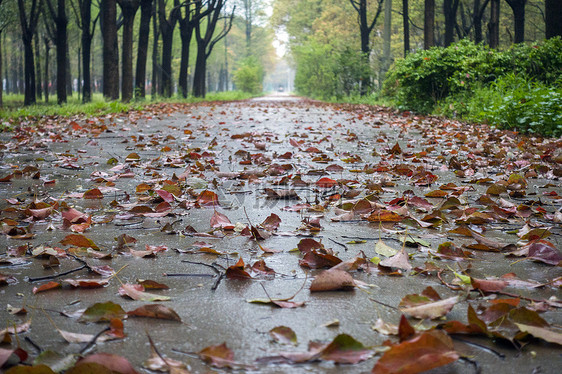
(54, 276)
(383, 304)
(93, 341)
(187, 275)
(338, 243)
(483, 347)
(33, 344)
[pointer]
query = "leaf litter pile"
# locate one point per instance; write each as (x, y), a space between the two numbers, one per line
(266, 236)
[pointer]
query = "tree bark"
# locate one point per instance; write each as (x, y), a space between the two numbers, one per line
(406, 25)
(518, 8)
(142, 52)
(87, 36)
(129, 10)
(61, 21)
(167, 26)
(28, 24)
(429, 24)
(494, 24)
(110, 55)
(450, 8)
(156, 74)
(207, 41)
(387, 33)
(553, 23)
(365, 29)
(47, 73)
(38, 79)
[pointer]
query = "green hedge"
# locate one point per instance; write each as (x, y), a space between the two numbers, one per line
(518, 88)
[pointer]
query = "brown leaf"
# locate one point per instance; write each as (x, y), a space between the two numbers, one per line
(332, 280)
(427, 351)
(283, 335)
(219, 220)
(155, 311)
(399, 260)
(46, 287)
(114, 363)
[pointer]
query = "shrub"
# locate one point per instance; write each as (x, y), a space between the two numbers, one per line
(423, 79)
(249, 76)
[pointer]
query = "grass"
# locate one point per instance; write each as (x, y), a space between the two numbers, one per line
(14, 111)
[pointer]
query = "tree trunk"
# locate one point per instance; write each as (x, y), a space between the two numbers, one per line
(429, 24)
(38, 80)
(186, 33)
(129, 9)
(477, 21)
(553, 23)
(248, 16)
(406, 25)
(450, 11)
(47, 73)
(86, 15)
(518, 8)
(494, 24)
(167, 26)
(28, 23)
(61, 50)
(387, 33)
(110, 55)
(199, 77)
(155, 67)
(142, 53)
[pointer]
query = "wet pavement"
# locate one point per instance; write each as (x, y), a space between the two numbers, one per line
(242, 151)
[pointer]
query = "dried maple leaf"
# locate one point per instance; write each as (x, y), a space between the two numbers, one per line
(158, 311)
(331, 280)
(427, 351)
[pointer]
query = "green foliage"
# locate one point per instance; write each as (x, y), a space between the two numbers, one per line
(422, 79)
(326, 72)
(514, 102)
(249, 75)
(519, 88)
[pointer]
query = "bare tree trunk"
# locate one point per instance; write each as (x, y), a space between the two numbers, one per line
(47, 72)
(518, 8)
(110, 54)
(450, 8)
(128, 9)
(494, 24)
(87, 35)
(406, 25)
(167, 26)
(28, 24)
(37, 67)
(387, 33)
(553, 23)
(142, 53)
(429, 24)
(155, 66)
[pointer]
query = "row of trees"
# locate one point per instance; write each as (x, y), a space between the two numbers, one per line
(197, 26)
(359, 38)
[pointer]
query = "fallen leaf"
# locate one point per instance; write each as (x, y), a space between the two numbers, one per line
(102, 312)
(158, 311)
(136, 292)
(427, 351)
(114, 363)
(283, 335)
(331, 280)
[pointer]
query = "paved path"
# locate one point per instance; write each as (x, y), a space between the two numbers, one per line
(247, 153)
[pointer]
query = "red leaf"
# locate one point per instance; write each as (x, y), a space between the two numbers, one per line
(237, 271)
(116, 364)
(78, 240)
(326, 183)
(219, 220)
(207, 198)
(94, 193)
(424, 352)
(46, 287)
